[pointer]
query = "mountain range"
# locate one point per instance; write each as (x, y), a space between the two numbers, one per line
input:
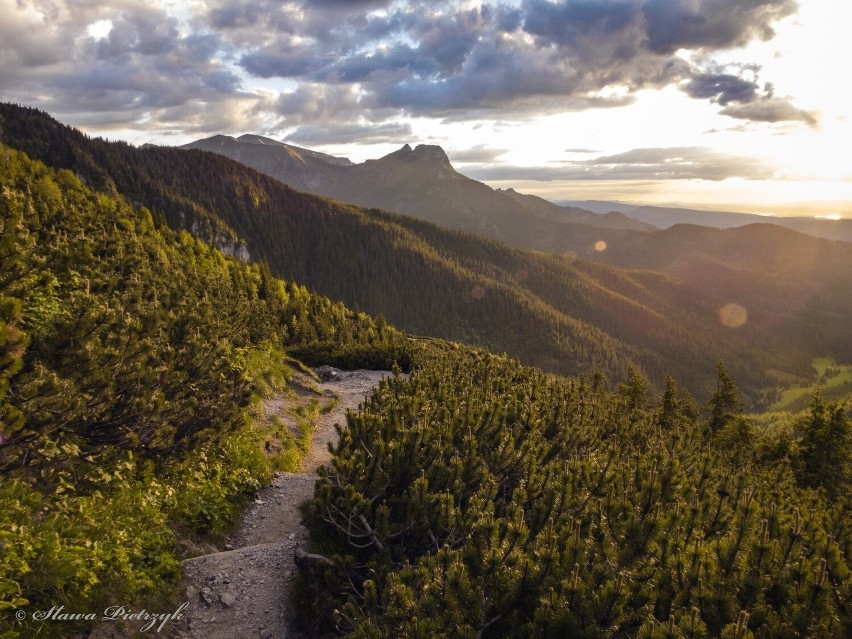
(650, 299)
(662, 217)
(422, 183)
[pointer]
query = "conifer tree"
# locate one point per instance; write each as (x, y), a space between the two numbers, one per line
(725, 403)
(826, 447)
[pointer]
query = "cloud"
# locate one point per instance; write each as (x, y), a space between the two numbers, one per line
(478, 153)
(680, 163)
(770, 110)
(450, 60)
(710, 24)
(722, 88)
(144, 70)
(675, 163)
(335, 62)
(317, 135)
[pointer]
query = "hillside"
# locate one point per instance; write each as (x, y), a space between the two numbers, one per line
(791, 285)
(563, 314)
(793, 301)
(476, 497)
(610, 219)
(422, 183)
(421, 278)
(132, 363)
(484, 500)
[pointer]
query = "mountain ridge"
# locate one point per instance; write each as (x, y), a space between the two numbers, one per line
(564, 314)
(422, 182)
(663, 217)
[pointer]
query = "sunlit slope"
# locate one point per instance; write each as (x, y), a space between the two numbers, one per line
(556, 311)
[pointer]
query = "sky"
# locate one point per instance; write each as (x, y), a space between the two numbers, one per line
(738, 105)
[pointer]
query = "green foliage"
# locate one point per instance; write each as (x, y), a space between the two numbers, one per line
(826, 447)
(58, 548)
(725, 403)
(833, 381)
(216, 480)
(484, 499)
(566, 315)
(130, 358)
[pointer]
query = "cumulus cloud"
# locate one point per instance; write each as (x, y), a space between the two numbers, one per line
(141, 68)
(458, 61)
(335, 62)
(711, 24)
(723, 88)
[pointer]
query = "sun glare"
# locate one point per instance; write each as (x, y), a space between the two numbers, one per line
(733, 315)
(99, 30)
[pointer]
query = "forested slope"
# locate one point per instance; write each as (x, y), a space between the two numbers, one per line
(483, 499)
(480, 499)
(130, 355)
(561, 313)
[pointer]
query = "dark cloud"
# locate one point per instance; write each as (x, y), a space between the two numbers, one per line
(568, 23)
(377, 60)
(710, 24)
(143, 68)
(679, 163)
(770, 110)
(316, 102)
(347, 4)
(722, 88)
(438, 59)
(317, 135)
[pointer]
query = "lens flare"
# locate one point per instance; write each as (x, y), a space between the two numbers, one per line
(522, 274)
(600, 245)
(478, 293)
(733, 315)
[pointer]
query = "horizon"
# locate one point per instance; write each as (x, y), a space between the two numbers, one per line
(720, 106)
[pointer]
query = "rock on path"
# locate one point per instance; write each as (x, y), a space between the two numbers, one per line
(243, 591)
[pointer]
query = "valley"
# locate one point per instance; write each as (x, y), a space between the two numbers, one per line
(568, 453)
(362, 320)
(567, 313)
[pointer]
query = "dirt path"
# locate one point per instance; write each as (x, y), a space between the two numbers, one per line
(243, 591)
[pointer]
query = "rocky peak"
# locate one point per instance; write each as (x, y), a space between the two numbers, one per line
(423, 153)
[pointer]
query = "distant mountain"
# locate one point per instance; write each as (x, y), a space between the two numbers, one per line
(575, 214)
(422, 182)
(663, 217)
(564, 314)
(305, 168)
(424, 279)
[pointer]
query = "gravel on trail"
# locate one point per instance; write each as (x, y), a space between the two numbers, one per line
(242, 589)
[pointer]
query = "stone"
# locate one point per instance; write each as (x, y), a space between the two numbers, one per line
(328, 373)
(207, 596)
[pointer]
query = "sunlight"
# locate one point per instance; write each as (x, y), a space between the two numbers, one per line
(99, 30)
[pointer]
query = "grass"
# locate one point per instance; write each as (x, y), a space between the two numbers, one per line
(833, 380)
